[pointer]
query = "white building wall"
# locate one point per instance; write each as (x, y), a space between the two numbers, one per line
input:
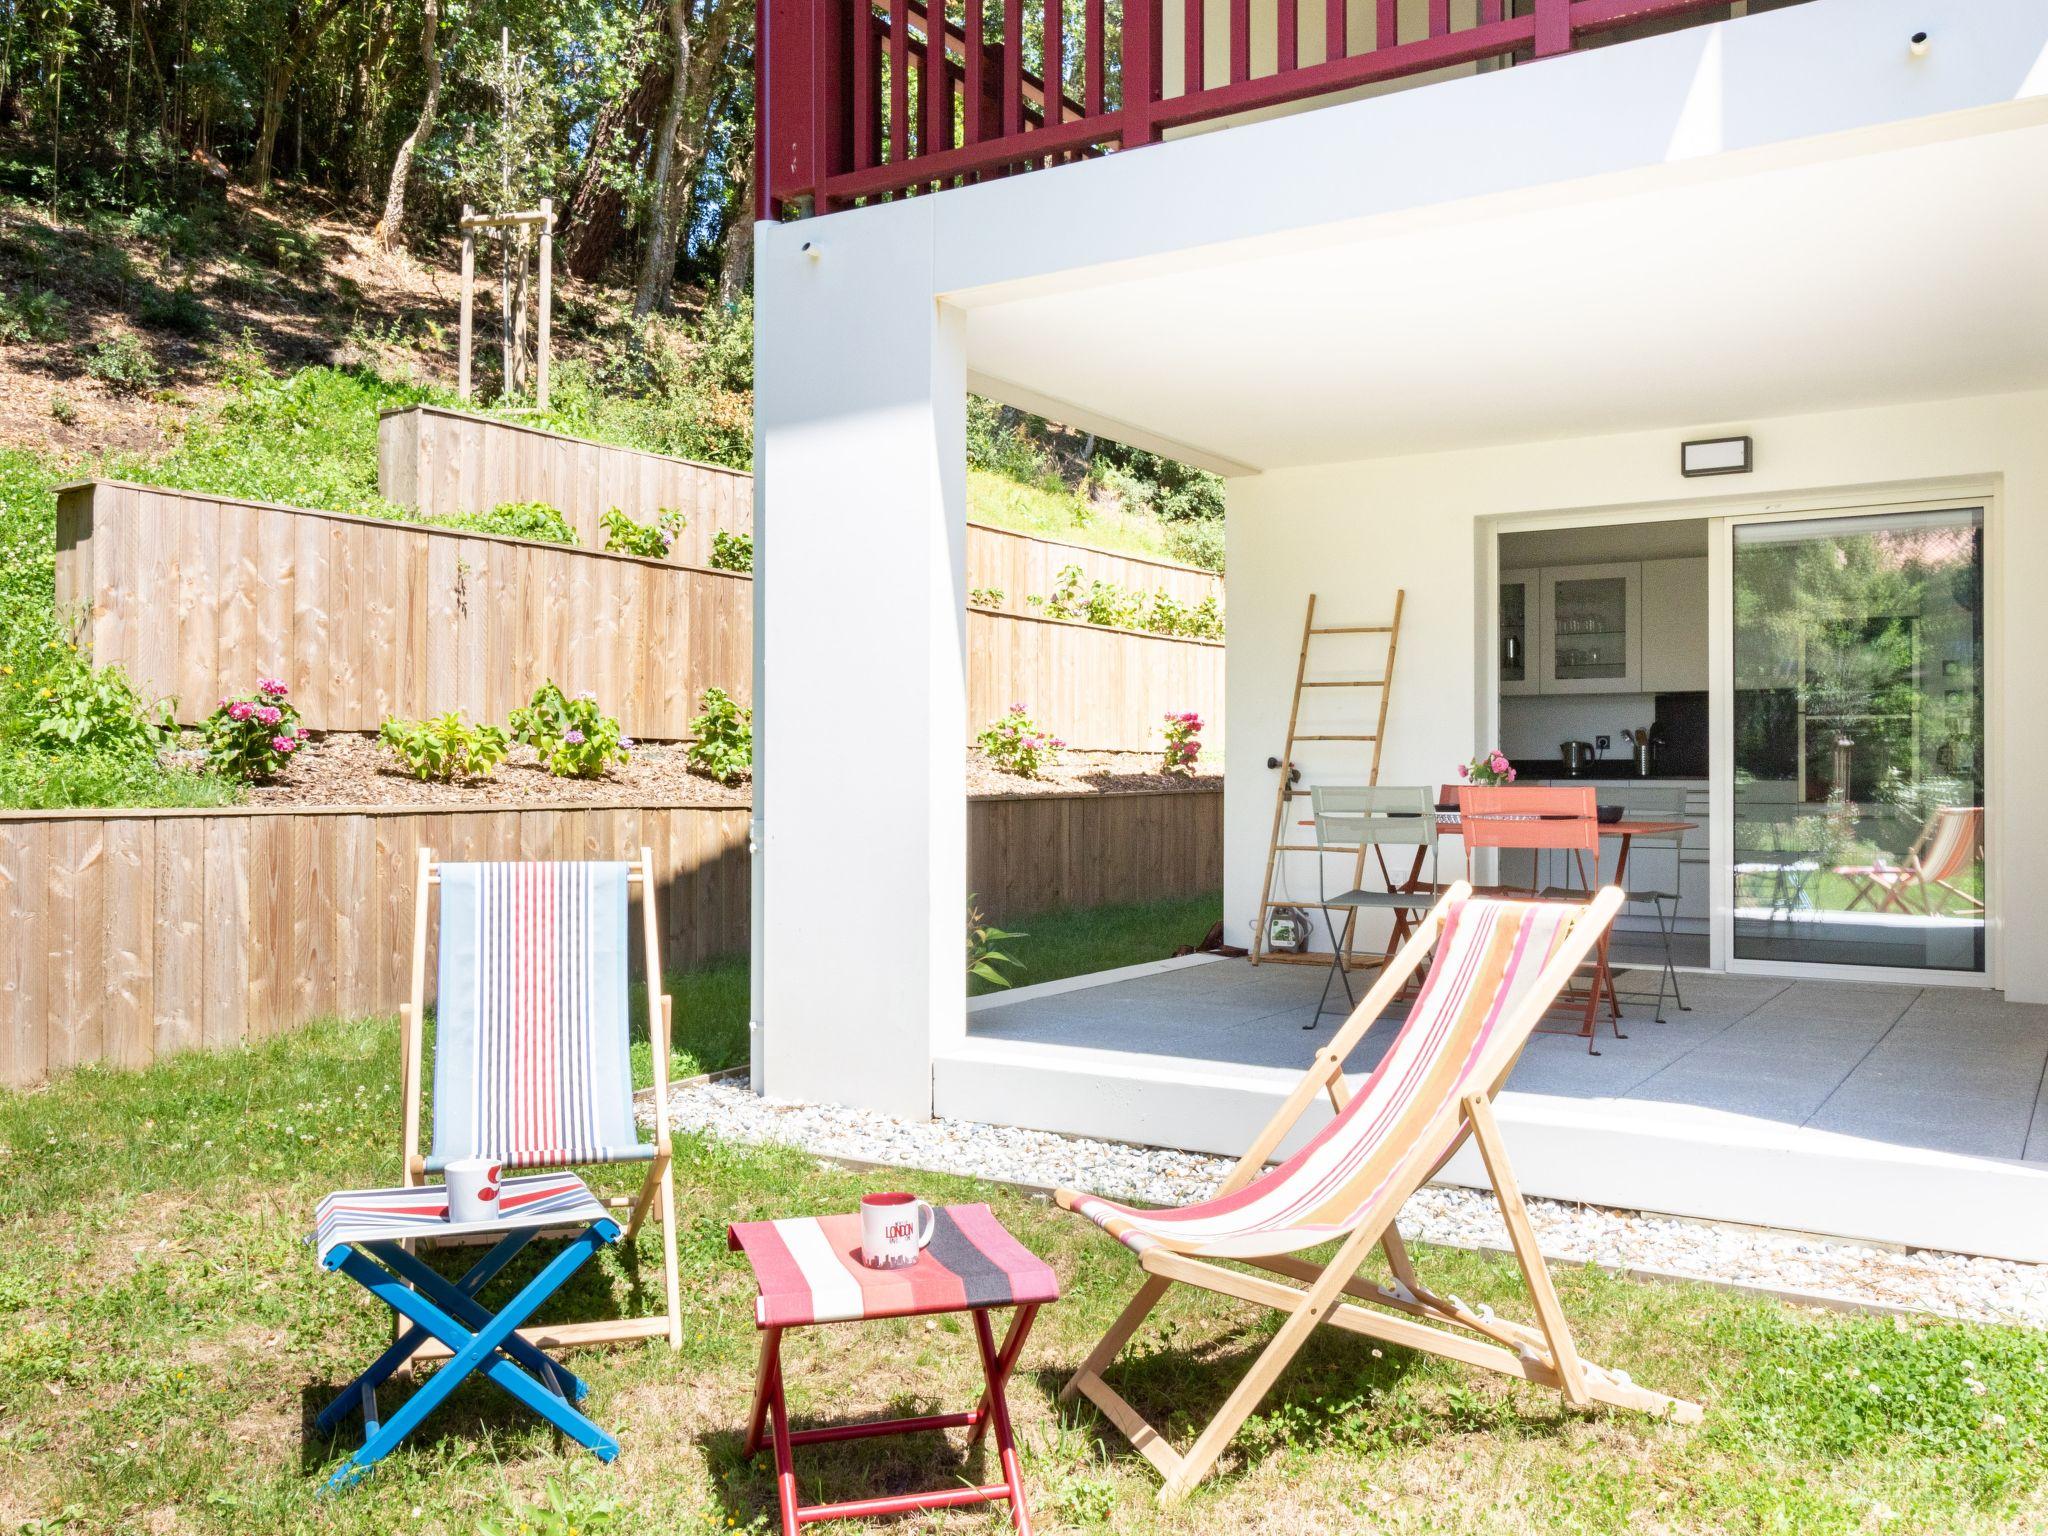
(1354, 532)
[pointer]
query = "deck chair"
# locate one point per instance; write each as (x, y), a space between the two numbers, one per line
(532, 1063)
(1498, 966)
(1948, 845)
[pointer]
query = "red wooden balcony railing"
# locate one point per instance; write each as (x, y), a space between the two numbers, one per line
(860, 100)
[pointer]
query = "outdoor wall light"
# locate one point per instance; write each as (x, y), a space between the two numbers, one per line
(811, 251)
(1716, 456)
(1917, 45)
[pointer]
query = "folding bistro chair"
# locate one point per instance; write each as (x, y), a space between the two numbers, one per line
(1947, 845)
(1536, 818)
(1658, 803)
(1498, 966)
(1354, 819)
(532, 1064)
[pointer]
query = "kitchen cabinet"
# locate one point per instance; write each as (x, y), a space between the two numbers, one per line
(1675, 626)
(1624, 627)
(1518, 669)
(1591, 619)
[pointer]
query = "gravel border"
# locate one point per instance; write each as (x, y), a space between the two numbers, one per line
(1792, 1266)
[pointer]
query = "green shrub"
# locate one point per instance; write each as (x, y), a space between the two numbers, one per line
(1183, 743)
(444, 748)
(732, 551)
(33, 314)
(983, 958)
(534, 520)
(1000, 441)
(723, 748)
(573, 738)
(1197, 544)
(178, 310)
(124, 364)
(1020, 745)
(984, 597)
(670, 389)
(99, 709)
(254, 736)
(623, 536)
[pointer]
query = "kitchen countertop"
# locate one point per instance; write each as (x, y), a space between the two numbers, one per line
(1606, 770)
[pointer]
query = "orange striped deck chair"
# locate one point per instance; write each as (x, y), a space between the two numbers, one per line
(1942, 854)
(1498, 966)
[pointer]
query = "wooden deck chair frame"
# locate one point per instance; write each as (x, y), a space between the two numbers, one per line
(1886, 890)
(1440, 1325)
(657, 1194)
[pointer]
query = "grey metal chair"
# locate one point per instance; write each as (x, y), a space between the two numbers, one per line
(1355, 820)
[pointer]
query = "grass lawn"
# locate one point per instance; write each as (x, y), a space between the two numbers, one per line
(165, 1340)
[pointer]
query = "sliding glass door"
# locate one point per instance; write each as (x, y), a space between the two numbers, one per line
(1857, 830)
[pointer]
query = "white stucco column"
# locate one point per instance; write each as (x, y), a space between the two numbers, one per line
(859, 660)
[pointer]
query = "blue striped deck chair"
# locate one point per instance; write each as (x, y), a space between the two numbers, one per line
(532, 1062)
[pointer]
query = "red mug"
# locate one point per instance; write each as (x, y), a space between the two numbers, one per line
(894, 1229)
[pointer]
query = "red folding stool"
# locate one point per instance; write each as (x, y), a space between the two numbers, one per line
(809, 1271)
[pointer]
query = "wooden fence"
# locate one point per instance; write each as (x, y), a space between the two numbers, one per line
(1099, 689)
(1018, 565)
(131, 935)
(198, 595)
(451, 461)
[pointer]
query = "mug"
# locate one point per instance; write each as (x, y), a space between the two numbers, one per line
(894, 1229)
(473, 1188)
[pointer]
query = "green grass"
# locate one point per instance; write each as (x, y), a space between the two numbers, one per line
(1048, 514)
(165, 1339)
(1077, 941)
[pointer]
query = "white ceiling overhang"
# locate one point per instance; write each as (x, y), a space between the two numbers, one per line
(1881, 273)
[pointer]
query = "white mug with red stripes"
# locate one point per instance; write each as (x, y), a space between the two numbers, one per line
(894, 1229)
(473, 1188)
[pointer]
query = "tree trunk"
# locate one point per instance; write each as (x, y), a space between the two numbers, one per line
(595, 218)
(658, 259)
(386, 233)
(736, 270)
(299, 42)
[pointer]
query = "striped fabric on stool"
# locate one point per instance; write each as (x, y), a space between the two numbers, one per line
(810, 1271)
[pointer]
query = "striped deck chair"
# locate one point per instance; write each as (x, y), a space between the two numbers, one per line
(1950, 842)
(1499, 964)
(532, 1064)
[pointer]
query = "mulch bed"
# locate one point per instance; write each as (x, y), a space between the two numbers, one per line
(354, 770)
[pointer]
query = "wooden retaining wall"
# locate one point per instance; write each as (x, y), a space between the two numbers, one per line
(197, 596)
(1017, 565)
(1099, 689)
(451, 461)
(126, 936)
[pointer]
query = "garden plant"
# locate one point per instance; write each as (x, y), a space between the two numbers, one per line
(1183, 743)
(732, 551)
(445, 747)
(253, 737)
(1020, 745)
(573, 737)
(650, 541)
(722, 747)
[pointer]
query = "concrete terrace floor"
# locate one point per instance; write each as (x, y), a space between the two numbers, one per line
(1942, 1068)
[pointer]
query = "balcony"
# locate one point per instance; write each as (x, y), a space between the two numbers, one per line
(871, 100)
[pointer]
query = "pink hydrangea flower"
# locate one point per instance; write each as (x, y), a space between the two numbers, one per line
(271, 686)
(240, 710)
(283, 744)
(269, 714)
(574, 738)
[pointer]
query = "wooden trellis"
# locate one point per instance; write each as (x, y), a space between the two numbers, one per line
(511, 297)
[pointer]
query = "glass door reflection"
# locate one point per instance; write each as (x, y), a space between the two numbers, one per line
(1858, 718)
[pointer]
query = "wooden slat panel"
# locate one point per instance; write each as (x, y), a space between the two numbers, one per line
(1100, 689)
(75, 944)
(229, 935)
(25, 1012)
(179, 922)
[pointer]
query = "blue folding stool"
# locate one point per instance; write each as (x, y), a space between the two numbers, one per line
(362, 1233)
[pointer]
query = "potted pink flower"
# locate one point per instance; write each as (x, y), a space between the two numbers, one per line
(1488, 768)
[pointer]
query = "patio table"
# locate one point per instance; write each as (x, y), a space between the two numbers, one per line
(809, 1271)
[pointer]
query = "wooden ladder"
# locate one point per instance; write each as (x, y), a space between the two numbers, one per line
(1289, 791)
